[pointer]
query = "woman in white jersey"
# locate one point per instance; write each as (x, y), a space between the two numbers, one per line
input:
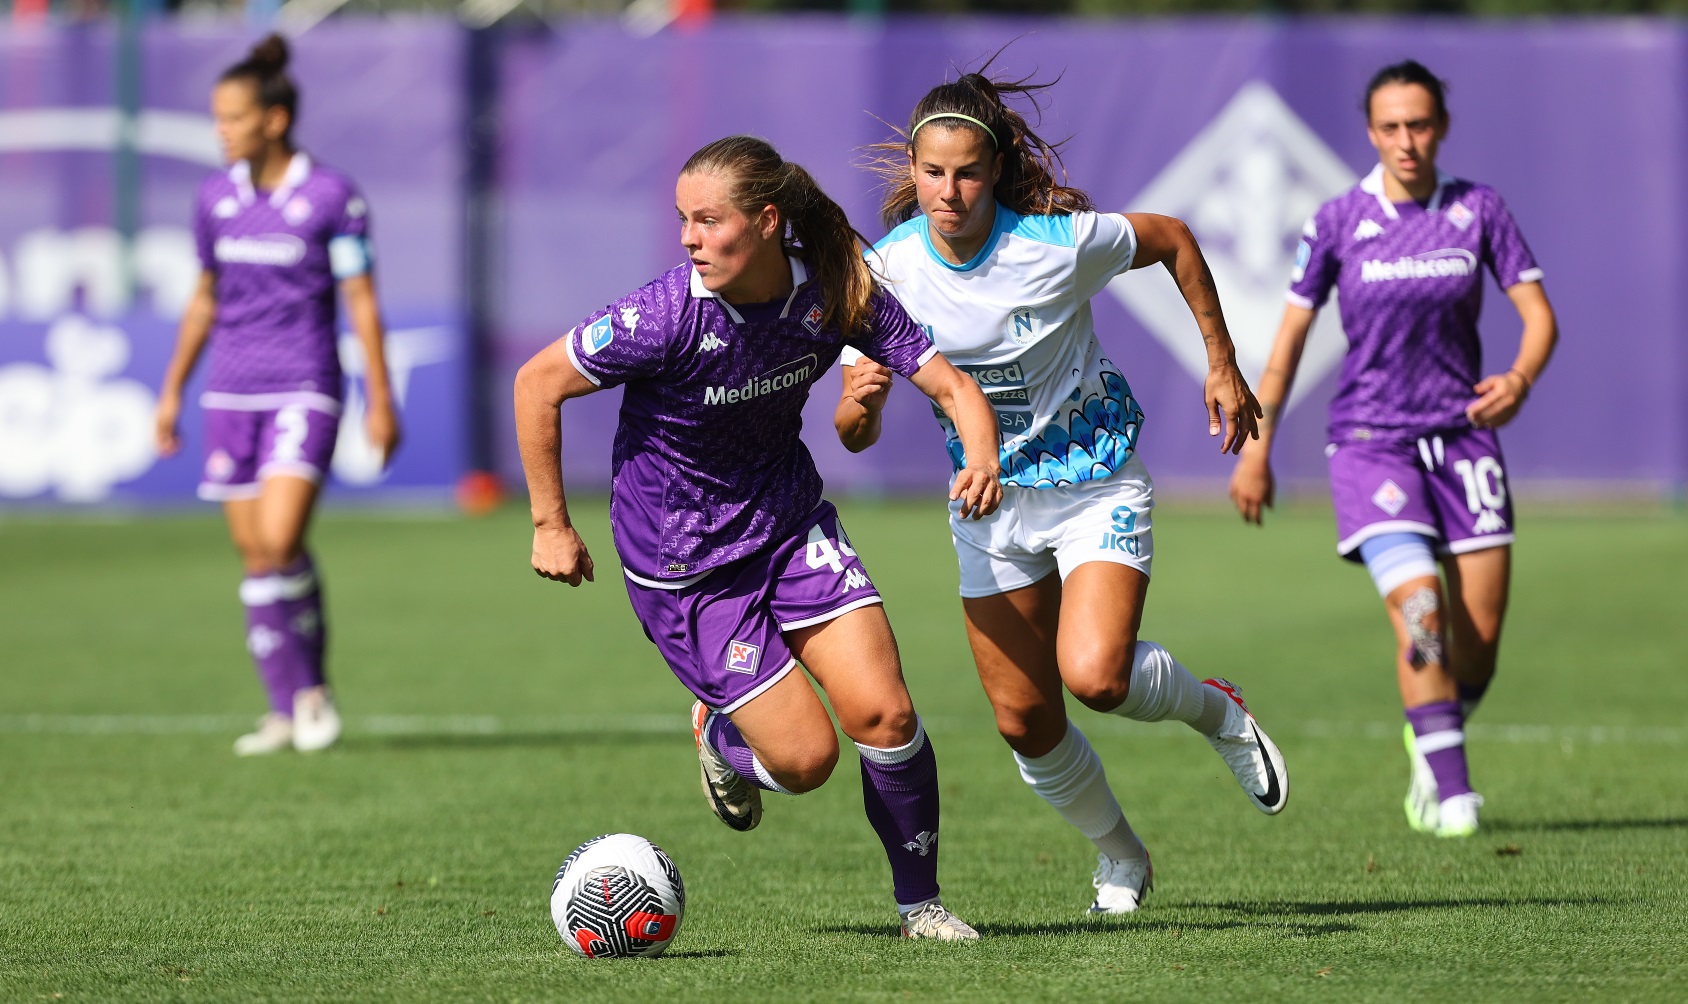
(998, 261)
(1415, 461)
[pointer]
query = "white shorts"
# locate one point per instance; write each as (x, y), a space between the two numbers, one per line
(1043, 530)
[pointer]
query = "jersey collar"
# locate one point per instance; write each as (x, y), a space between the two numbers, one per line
(1372, 184)
(1005, 219)
(298, 169)
(799, 276)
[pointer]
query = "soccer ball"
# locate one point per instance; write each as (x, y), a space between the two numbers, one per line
(618, 896)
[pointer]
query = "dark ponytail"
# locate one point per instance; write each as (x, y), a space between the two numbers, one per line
(820, 232)
(266, 68)
(1408, 71)
(1030, 165)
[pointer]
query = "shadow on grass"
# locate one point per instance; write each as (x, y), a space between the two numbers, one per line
(701, 953)
(1106, 925)
(1268, 908)
(1582, 825)
(500, 740)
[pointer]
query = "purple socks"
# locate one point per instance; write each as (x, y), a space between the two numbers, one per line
(285, 631)
(1439, 731)
(899, 791)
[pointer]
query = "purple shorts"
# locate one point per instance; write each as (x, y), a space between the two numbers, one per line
(723, 634)
(249, 437)
(1450, 486)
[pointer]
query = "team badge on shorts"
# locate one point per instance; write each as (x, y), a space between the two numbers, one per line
(812, 320)
(742, 657)
(1390, 498)
(219, 466)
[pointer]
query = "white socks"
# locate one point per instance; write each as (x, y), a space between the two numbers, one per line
(1160, 688)
(1070, 778)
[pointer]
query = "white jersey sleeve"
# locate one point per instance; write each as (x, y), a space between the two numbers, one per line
(1106, 245)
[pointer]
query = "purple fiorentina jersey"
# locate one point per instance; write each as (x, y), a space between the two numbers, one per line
(1410, 286)
(276, 256)
(707, 464)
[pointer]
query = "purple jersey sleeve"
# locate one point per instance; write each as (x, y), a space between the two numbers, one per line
(1316, 264)
(204, 240)
(627, 341)
(1504, 250)
(894, 339)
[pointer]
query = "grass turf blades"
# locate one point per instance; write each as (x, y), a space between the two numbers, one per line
(496, 720)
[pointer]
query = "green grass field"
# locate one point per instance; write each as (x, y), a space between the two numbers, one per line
(496, 720)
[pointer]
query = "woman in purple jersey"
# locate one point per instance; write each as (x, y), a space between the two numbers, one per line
(278, 236)
(1416, 467)
(737, 568)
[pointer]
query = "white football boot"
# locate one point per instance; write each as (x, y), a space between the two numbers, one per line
(316, 725)
(1252, 757)
(933, 921)
(1458, 815)
(1423, 800)
(735, 801)
(1121, 883)
(275, 733)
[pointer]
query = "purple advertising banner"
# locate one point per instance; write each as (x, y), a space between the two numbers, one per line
(1239, 127)
(88, 311)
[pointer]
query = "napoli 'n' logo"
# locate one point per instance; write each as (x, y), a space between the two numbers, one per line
(598, 334)
(1023, 325)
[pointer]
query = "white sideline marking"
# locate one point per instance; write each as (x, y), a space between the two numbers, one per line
(679, 725)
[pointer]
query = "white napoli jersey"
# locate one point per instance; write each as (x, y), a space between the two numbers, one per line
(1016, 318)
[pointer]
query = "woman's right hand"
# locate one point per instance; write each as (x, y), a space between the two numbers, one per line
(560, 555)
(1252, 487)
(164, 424)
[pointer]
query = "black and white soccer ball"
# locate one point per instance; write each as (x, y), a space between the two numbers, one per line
(618, 896)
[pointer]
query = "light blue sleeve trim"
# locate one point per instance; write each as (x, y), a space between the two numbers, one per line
(350, 255)
(1054, 230)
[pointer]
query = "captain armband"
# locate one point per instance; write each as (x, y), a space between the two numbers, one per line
(349, 256)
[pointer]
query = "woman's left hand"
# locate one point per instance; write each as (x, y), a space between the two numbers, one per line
(979, 488)
(1499, 398)
(1231, 406)
(381, 424)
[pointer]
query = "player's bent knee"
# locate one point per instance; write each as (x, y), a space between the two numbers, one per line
(803, 770)
(889, 724)
(1032, 731)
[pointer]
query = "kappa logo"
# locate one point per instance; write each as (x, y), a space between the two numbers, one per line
(1023, 326)
(630, 317)
(226, 208)
(1489, 521)
(598, 334)
(1390, 498)
(1246, 183)
(1460, 216)
(855, 578)
(711, 342)
(742, 657)
(922, 843)
(1367, 230)
(812, 319)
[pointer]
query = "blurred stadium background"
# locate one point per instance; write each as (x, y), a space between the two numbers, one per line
(519, 157)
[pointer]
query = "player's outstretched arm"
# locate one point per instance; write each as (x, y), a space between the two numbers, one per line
(979, 484)
(381, 420)
(190, 342)
(1231, 408)
(1252, 486)
(1500, 395)
(542, 385)
(866, 386)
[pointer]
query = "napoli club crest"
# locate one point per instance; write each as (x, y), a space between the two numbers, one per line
(1023, 325)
